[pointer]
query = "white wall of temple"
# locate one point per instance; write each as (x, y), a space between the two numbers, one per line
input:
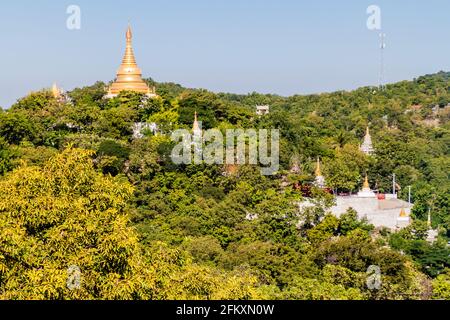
(380, 213)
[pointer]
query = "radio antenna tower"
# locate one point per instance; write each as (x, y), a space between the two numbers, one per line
(382, 47)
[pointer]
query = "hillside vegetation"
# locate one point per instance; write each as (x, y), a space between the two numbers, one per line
(77, 190)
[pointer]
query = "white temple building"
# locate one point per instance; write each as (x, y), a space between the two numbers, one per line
(390, 213)
(139, 129)
(262, 110)
(384, 211)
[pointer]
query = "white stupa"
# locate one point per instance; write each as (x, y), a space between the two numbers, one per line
(367, 146)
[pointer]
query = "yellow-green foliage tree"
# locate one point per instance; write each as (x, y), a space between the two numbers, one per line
(65, 234)
(441, 286)
(67, 215)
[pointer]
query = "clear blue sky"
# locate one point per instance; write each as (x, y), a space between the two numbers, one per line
(240, 46)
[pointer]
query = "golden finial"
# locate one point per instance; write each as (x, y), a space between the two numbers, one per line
(318, 171)
(129, 33)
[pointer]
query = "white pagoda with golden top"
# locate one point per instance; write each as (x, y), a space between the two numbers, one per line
(367, 146)
(366, 192)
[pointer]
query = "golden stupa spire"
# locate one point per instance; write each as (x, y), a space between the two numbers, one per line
(129, 76)
(366, 183)
(320, 180)
(129, 58)
(196, 126)
(318, 171)
(55, 91)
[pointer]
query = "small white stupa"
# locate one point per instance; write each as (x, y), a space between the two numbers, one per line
(197, 139)
(367, 146)
(366, 192)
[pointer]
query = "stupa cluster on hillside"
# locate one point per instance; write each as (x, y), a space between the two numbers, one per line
(381, 210)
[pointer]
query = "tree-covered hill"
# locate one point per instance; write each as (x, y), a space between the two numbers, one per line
(78, 190)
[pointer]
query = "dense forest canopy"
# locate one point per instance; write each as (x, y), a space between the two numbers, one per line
(76, 189)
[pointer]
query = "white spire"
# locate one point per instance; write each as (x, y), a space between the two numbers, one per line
(429, 219)
(367, 146)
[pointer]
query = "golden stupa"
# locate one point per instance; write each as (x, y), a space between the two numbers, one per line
(318, 170)
(56, 92)
(320, 180)
(196, 126)
(129, 76)
(366, 183)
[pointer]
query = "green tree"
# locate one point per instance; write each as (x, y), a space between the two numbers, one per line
(66, 214)
(345, 170)
(6, 155)
(16, 127)
(441, 287)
